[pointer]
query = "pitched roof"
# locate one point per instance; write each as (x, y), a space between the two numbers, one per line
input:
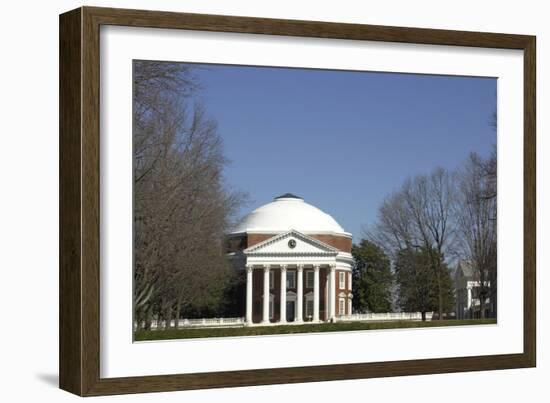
(466, 268)
(316, 246)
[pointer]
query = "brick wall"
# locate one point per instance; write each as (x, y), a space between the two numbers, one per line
(341, 243)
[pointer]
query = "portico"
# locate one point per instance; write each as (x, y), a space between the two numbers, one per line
(288, 298)
(288, 269)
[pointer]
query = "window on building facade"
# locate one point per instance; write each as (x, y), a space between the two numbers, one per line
(309, 308)
(342, 306)
(342, 279)
(291, 279)
(271, 279)
(309, 279)
(271, 310)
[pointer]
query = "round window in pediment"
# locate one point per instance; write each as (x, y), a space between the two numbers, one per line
(292, 243)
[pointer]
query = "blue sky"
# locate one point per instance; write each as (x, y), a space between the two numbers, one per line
(342, 140)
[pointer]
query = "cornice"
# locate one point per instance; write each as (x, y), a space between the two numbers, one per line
(326, 250)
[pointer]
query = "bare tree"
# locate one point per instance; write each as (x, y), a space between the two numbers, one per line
(490, 174)
(393, 230)
(430, 201)
(476, 220)
(182, 208)
(419, 216)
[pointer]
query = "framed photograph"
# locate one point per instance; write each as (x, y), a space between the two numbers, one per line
(248, 201)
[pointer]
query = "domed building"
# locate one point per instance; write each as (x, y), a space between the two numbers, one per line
(297, 260)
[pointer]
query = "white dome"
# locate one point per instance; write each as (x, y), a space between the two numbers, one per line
(288, 212)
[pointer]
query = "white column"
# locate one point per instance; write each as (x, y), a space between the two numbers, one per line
(327, 295)
(282, 318)
(458, 303)
(249, 271)
(265, 316)
(300, 296)
(316, 293)
(332, 292)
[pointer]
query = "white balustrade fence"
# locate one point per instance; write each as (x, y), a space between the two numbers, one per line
(383, 316)
(204, 322)
(238, 322)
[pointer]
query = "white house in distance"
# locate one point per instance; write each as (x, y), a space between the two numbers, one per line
(298, 263)
(467, 293)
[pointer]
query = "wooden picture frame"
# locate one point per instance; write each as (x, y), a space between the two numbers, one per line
(79, 317)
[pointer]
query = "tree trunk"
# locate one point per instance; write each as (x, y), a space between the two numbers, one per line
(148, 319)
(440, 296)
(493, 291)
(177, 314)
(169, 313)
(482, 305)
(423, 313)
(437, 265)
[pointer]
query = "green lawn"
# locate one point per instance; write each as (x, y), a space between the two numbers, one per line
(144, 335)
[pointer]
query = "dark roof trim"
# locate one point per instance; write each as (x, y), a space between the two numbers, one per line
(288, 196)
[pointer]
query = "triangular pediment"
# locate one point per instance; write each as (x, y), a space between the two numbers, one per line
(292, 243)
